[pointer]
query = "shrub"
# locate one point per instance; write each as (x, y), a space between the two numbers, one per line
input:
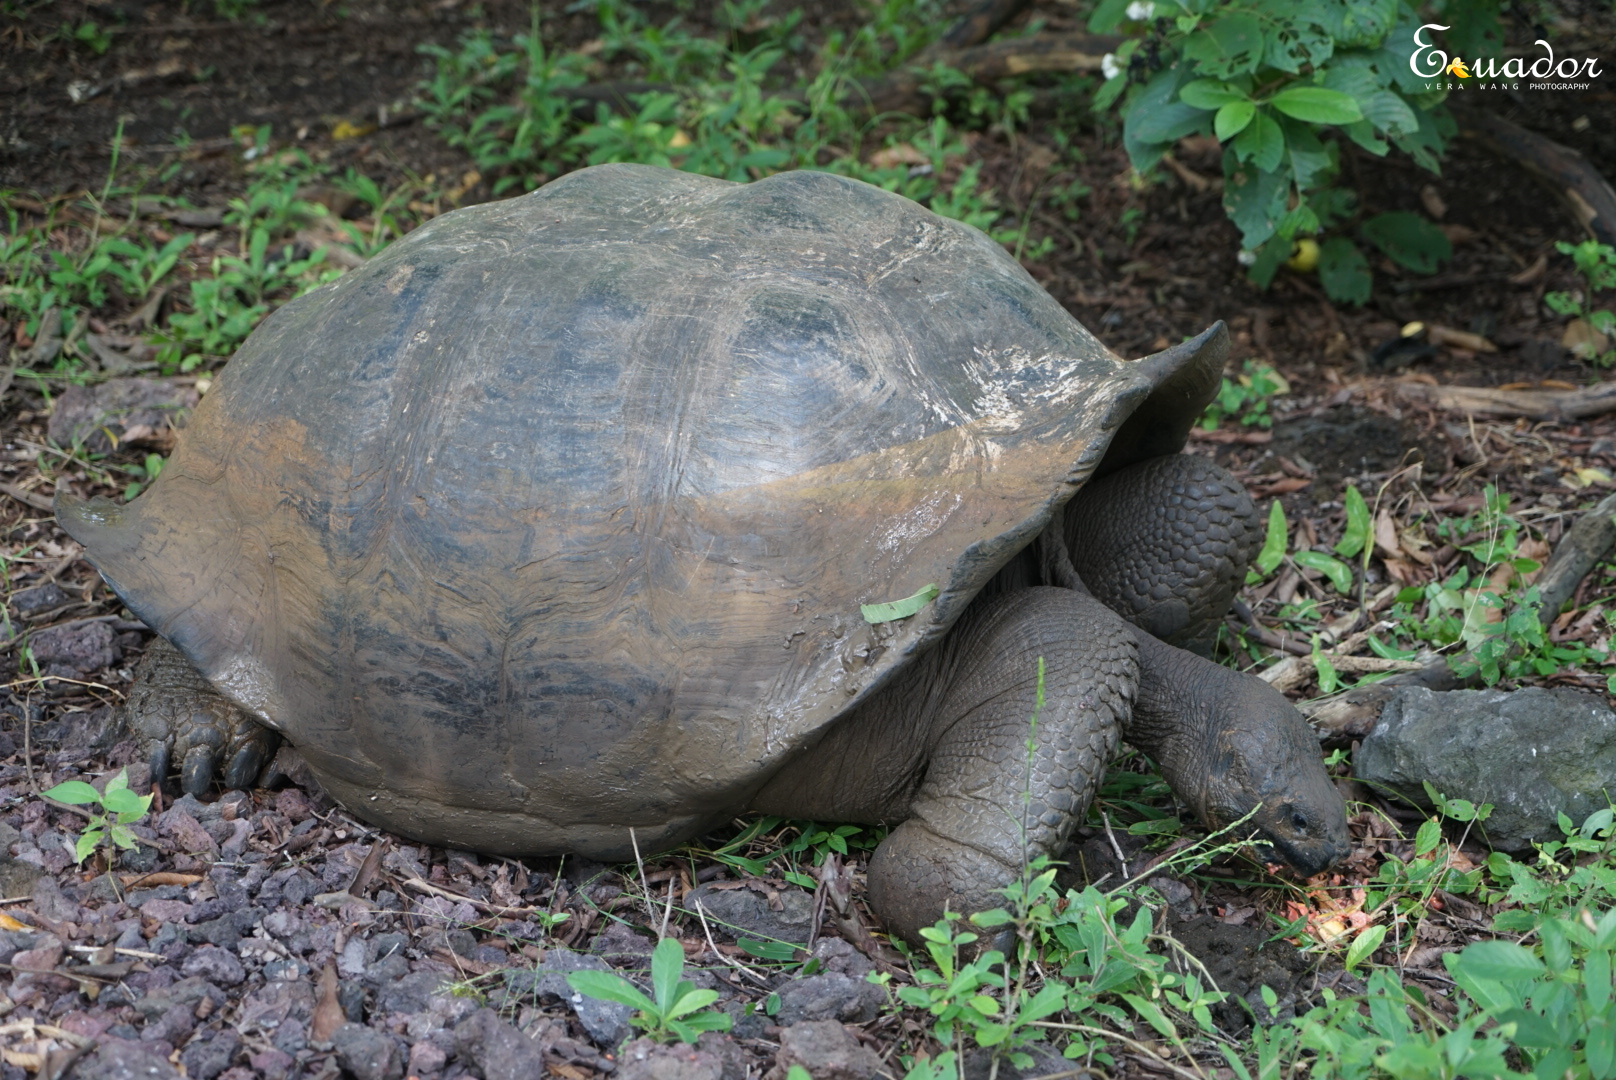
(1265, 77)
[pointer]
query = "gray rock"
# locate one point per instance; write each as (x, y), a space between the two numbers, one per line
(618, 944)
(212, 962)
(128, 409)
(80, 647)
(831, 996)
(741, 911)
(644, 1059)
(826, 1050)
(497, 1048)
(123, 1059)
(205, 1059)
(186, 992)
(368, 1054)
(17, 878)
(411, 994)
(1533, 754)
(38, 598)
(227, 929)
(606, 1021)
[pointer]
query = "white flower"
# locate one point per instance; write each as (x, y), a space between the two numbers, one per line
(1247, 258)
(1140, 10)
(1109, 66)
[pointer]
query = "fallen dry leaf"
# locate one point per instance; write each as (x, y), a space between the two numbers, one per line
(1386, 535)
(328, 1015)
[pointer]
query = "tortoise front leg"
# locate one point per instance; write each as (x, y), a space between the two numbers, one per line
(945, 751)
(1165, 544)
(177, 715)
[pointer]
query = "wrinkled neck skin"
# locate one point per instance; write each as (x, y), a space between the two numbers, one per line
(1231, 745)
(1172, 717)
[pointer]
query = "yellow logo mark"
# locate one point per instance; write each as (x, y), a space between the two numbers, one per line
(1457, 68)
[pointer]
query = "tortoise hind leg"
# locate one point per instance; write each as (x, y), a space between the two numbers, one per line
(178, 716)
(1165, 544)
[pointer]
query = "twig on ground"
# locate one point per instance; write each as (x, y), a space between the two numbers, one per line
(1116, 848)
(645, 887)
(730, 960)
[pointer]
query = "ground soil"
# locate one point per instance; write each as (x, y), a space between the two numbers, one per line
(217, 962)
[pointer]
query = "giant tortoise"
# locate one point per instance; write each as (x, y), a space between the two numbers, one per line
(549, 530)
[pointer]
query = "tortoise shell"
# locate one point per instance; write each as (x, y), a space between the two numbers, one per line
(555, 518)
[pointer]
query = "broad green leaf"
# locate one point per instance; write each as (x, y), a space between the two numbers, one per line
(690, 1001)
(1339, 573)
(1155, 120)
(1277, 540)
(1387, 652)
(1364, 945)
(124, 801)
(1152, 1015)
(1107, 15)
(1255, 201)
(1231, 46)
(667, 963)
(992, 918)
(1232, 119)
(689, 1028)
(123, 836)
(1262, 143)
(1344, 272)
(1356, 536)
(1312, 161)
(984, 1005)
(768, 950)
(1210, 94)
(1426, 840)
(74, 793)
(1409, 240)
(605, 986)
(86, 844)
(1389, 113)
(119, 782)
(897, 609)
(1502, 961)
(1316, 105)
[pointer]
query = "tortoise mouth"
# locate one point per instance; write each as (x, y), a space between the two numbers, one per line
(1308, 857)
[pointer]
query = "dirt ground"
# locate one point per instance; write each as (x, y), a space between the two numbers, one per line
(269, 934)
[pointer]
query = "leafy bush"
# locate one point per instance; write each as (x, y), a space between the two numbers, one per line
(1264, 76)
(1592, 329)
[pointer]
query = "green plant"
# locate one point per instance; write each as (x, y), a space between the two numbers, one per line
(1247, 396)
(676, 1008)
(119, 809)
(89, 35)
(1267, 78)
(1592, 330)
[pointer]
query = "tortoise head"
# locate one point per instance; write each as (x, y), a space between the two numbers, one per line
(1265, 762)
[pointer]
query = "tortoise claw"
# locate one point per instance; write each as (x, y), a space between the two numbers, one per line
(180, 719)
(197, 772)
(160, 754)
(249, 760)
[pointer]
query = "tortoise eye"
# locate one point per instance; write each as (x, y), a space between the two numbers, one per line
(1298, 819)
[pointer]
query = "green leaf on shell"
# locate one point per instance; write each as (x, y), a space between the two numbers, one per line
(899, 609)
